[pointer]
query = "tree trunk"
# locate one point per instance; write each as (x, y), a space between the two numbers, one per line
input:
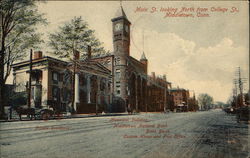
(2, 82)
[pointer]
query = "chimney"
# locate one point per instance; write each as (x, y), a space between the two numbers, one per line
(164, 78)
(38, 55)
(76, 55)
(89, 52)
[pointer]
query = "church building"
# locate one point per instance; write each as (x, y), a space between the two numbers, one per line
(129, 76)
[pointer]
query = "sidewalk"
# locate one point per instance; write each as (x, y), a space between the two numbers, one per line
(25, 118)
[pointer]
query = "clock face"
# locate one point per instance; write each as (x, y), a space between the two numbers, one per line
(118, 27)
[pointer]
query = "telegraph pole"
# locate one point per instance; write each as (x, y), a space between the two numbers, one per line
(236, 94)
(29, 85)
(239, 81)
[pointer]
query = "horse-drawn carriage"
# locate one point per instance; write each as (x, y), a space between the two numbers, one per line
(34, 113)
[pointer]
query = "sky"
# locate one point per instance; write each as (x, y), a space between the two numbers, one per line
(197, 53)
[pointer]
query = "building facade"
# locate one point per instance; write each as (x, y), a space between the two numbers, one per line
(180, 99)
(52, 84)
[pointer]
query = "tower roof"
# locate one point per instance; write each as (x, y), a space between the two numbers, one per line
(120, 13)
(143, 57)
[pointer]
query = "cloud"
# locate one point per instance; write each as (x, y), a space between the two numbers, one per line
(205, 69)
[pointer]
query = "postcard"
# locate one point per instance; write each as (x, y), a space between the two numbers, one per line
(129, 79)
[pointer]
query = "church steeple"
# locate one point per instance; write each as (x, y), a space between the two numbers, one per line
(120, 13)
(143, 57)
(144, 61)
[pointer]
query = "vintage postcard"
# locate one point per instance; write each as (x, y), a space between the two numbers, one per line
(129, 79)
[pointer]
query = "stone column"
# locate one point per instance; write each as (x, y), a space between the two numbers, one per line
(165, 100)
(141, 101)
(107, 93)
(77, 91)
(98, 90)
(146, 96)
(136, 94)
(45, 87)
(88, 88)
(97, 94)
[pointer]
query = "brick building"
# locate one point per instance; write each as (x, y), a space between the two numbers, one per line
(180, 99)
(158, 93)
(129, 76)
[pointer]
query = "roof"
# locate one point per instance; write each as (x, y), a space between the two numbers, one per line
(44, 58)
(143, 57)
(120, 13)
(178, 89)
(136, 65)
(92, 67)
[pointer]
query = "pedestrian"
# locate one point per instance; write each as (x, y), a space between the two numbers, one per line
(129, 109)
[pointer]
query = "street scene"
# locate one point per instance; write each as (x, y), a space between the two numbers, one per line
(92, 79)
(187, 135)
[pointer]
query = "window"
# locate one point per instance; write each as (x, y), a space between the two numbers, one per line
(118, 73)
(60, 77)
(118, 91)
(117, 61)
(55, 77)
(67, 77)
(55, 92)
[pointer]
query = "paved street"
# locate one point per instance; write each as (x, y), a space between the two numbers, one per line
(174, 135)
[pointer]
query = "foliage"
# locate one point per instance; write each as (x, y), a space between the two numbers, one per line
(246, 98)
(74, 35)
(19, 19)
(18, 30)
(205, 101)
(19, 98)
(219, 104)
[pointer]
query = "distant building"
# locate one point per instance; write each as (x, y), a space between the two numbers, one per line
(158, 93)
(180, 98)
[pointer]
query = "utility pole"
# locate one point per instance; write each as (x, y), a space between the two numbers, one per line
(239, 81)
(236, 94)
(73, 81)
(29, 85)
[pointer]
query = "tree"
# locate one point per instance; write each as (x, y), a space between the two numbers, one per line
(74, 35)
(246, 98)
(18, 21)
(219, 104)
(205, 101)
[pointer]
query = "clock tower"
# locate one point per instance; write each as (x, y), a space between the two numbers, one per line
(121, 44)
(121, 32)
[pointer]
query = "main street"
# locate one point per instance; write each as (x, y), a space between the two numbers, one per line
(173, 135)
